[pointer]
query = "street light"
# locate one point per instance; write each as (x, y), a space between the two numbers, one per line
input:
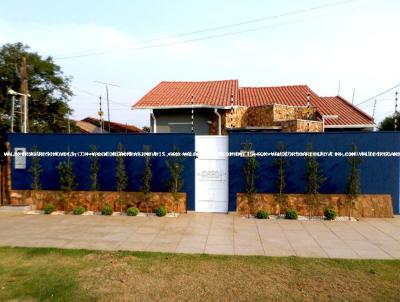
(25, 113)
(328, 116)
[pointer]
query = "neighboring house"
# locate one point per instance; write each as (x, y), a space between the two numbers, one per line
(221, 106)
(93, 125)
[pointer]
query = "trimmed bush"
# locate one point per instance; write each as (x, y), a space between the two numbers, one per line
(330, 214)
(107, 210)
(49, 208)
(132, 211)
(291, 214)
(262, 214)
(161, 211)
(78, 210)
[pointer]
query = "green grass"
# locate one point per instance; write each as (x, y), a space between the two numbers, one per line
(44, 274)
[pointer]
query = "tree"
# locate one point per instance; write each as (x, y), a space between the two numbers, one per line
(388, 123)
(314, 178)
(353, 181)
(48, 86)
(94, 171)
(250, 170)
(35, 170)
(147, 175)
(146, 129)
(67, 181)
(175, 183)
(122, 178)
(281, 162)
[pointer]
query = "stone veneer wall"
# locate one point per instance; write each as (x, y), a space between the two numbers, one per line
(290, 118)
(84, 198)
(366, 205)
(301, 126)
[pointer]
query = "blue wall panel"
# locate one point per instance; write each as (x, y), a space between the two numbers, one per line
(379, 175)
(21, 179)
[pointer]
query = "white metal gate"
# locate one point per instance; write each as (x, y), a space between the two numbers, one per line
(211, 171)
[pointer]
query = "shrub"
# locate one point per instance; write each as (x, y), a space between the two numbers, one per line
(262, 214)
(49, 208)
(78, 210)
(132, 211)
(161, 211)
(291, 214)
(107, 210)
(330, 214)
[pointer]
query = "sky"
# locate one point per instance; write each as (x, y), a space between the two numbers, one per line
(332, 46)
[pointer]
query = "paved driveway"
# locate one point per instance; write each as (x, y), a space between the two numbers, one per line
(207, 233)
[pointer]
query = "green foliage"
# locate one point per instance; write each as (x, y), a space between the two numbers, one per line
(94, 171)
(250, 173)
(175, 183)
(262, 214)
(291, 214)
(146, 129)
(132, 211)
(78, 210)
(388, 123)
(330, 214)
(107, 210)
(35, 170)
(122, 178)
(314, 178)
(281, 163)
(49, 208)
(67, 180)
(161, 211)
(353, 181)
(147, 176)
(48, 86)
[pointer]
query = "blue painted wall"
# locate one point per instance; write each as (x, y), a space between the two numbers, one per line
(21, 179)
(378, 175)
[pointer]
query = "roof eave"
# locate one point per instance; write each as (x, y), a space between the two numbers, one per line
(352, 126)
(184, 107)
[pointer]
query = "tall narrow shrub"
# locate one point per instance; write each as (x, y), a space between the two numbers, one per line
(67, 181)
(314, 178)
(353, 181)
(281, 163)
(36, 170)
(94, 181)
(250, 169)
(121, 176)
(147, 176)
(175, 183)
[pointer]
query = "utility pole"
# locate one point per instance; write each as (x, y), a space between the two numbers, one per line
(395, 111)
(232, 109)
(192, 116)
(12, 112)
(338, 91)
(352, 99)
(101, 116)
(373, 111)
(24, 92)
(108, 101)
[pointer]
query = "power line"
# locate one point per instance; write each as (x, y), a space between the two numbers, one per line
(379, 94)
(128, 46)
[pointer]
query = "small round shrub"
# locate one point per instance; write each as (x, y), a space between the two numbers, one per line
(107, 210)
(291, 214)
(161, 211)
(262, 214)
(132, 211)
(49, 208)
(330, 214)
(78, 210)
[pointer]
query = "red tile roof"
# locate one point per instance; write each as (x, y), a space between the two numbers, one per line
(346, 112)
(92, 125)
(218, 94)
(210, 93)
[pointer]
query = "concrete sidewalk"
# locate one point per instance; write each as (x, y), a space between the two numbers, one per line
(207, 233)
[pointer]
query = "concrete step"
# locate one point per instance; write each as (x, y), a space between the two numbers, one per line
(15, 209)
